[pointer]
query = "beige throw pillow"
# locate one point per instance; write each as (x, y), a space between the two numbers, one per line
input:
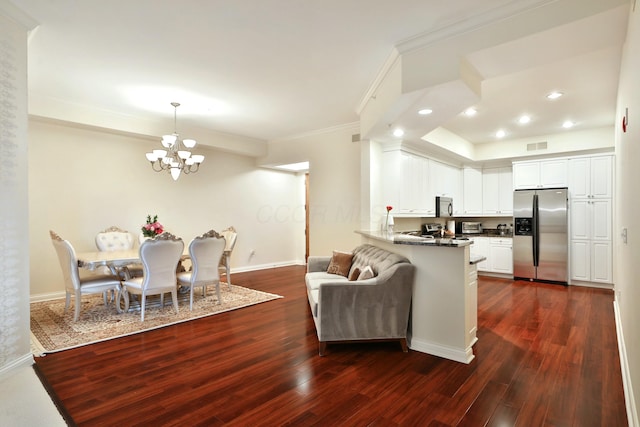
(340, 263)
(366, 273)
(354, 274)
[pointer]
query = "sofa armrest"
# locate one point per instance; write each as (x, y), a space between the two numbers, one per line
(318, 263)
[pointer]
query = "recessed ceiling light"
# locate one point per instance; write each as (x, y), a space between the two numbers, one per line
(425, 111)
(568, 124)
(397, 132)
(523, 120)
(501, 134)
(470, 112)
(555, 95)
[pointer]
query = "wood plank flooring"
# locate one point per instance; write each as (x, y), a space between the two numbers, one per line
(546, 356)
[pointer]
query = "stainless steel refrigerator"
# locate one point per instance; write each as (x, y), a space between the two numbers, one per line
(540, 240)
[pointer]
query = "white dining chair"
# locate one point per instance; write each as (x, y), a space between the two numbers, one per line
(230, 235)
(205, 252)
(160, 257)
(116, 239)
(76, 285)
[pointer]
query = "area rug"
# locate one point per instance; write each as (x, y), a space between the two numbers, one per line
(54, 330)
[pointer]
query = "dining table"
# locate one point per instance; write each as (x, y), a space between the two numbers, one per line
(117, 262)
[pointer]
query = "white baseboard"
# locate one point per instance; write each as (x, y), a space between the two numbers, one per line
(47, 297)
(9, 369)
(629, 399)
(455, 354)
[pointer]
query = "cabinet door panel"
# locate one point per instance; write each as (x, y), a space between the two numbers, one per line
(490, 191)
(579, 177)
(501, 259)
(580, 260)
(472, 191)
(580, 213)
(553, 173)
(601, 262)
(506, 191)
(526, 175)
(601, 219)
(601, 176)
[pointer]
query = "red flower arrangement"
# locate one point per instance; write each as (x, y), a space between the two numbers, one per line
(152, 228)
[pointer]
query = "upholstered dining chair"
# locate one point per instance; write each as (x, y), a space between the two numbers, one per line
(73, 283)
(117, 239)
(160, 257)
(205, 252)
(230, 235)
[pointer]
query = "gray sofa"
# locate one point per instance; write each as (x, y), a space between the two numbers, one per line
(371, 309)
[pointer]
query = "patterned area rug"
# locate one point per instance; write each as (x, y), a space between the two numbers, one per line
(54, 330)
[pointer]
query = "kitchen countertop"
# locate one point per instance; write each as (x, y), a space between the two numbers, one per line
(408, 239)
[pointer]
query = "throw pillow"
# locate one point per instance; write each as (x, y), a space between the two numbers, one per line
(354, 274)
(367, 273)
(340, 263)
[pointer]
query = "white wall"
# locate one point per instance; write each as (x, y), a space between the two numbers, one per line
(14, 261)
(84, 180)
(628, 211)
(334, 185)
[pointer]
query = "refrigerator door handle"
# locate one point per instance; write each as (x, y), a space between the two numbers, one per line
(535, 231)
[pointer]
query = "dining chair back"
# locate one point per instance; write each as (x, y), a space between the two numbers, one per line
(116, 239)
(230, 235)
(160, 257)
(75, 284)
(205, 252)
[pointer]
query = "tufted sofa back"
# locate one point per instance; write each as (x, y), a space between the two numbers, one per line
(379, 259)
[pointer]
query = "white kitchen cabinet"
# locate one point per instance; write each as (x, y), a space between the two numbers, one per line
(406, 184)
(591, 261)
(472, 192)
(501, 255)
(497, 192)
(533, 174)
(590, 210)
(446, 181)
(591, 219)
(591, 177)
(498, 252)
(480, 247)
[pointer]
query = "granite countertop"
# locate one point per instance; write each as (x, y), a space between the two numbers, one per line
(408, 239)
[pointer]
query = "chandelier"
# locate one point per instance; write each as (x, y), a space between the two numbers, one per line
(177, 158)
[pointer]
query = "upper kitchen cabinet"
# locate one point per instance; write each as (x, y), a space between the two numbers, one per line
(591, 177)
(446, 180)
(472, 192)
(405, 184)
(540, 174)
(497, 192)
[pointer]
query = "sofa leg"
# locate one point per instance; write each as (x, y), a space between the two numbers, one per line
(403, 344)
(322, 346)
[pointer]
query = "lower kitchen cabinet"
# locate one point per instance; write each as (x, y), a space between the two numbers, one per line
(501, 255)
(591, 261)
(498, 252)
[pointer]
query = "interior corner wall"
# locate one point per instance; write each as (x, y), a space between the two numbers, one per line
(15, 349)
(82, 181)
(334, 185)
(627, 212)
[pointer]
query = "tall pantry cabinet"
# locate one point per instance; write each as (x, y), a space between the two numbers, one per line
(591, 188)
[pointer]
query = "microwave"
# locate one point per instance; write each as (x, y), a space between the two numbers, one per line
(444, 207)
(467, 227)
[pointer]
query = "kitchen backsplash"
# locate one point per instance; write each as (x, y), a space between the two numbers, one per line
(412, 224)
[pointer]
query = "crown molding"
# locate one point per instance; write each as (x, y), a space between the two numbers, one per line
(352, 127)
(13, 12)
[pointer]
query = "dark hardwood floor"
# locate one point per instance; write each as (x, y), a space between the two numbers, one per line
(546, 356)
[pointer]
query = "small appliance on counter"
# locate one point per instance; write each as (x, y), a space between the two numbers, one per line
(432, 229)
(468, 227)
(502, 229)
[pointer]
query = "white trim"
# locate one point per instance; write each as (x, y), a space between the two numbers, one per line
(17, 15)
(627, 384)
(353, 127)
(455, 354)
(9, 369)
(47, 297)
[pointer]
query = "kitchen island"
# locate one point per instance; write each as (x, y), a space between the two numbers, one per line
(444, 312)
